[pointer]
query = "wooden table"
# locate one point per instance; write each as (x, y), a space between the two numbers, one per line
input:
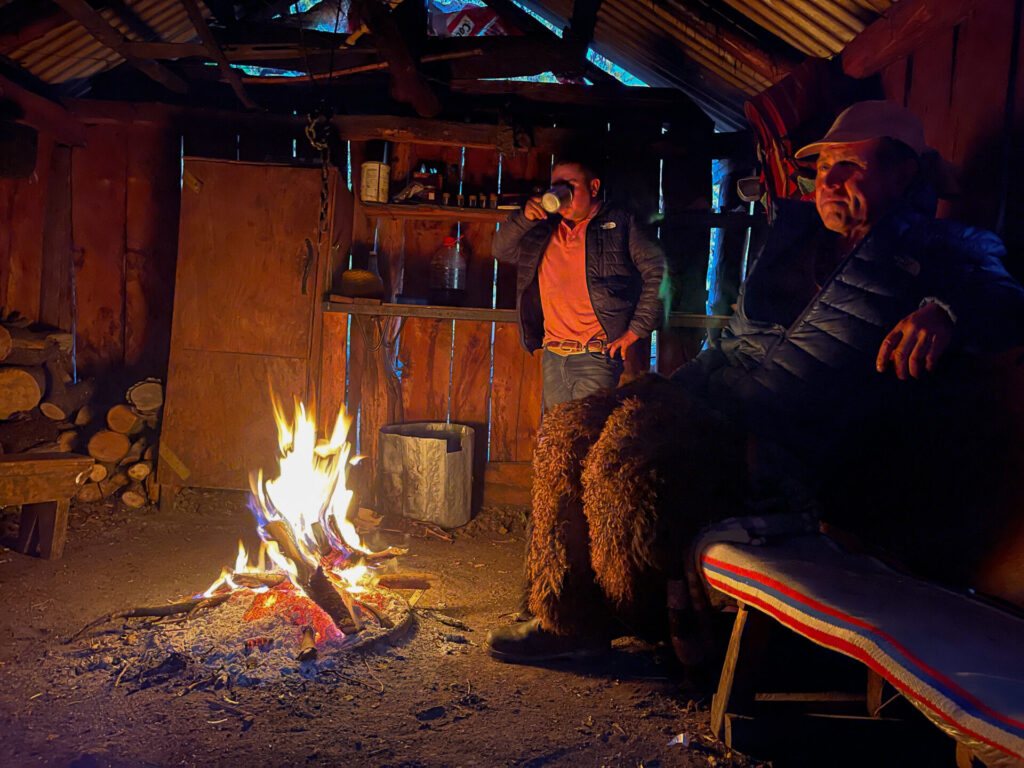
(43, 484)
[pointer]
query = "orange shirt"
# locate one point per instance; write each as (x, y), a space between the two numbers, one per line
(562, 278)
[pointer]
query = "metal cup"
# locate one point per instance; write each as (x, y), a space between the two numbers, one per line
(559, 195)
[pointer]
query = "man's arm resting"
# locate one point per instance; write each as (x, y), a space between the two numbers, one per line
(649, 260)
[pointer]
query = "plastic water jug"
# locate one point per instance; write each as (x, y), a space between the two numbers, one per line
(448, 274)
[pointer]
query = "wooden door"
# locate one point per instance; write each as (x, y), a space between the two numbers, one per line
(244, 309)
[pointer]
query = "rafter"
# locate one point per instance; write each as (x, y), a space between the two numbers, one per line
(43, 114)
(531, 26)
(98, 27)
(408, 84)
(226, 71)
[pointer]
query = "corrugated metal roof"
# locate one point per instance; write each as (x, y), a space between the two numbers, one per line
(70, 52)
(719, 52)
(686, 42)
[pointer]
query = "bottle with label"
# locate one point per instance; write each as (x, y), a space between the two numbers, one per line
(448, 274)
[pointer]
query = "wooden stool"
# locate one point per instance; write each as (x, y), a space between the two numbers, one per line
(43, 483)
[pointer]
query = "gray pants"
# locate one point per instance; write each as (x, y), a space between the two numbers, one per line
(572, 377)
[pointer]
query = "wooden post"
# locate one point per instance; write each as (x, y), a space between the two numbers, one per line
(736, 684)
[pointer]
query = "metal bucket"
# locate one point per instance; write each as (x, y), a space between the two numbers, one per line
(425, 471)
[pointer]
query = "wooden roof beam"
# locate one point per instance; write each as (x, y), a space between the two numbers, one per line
(44, 115)
(532, 27)
(227, 72)
(901, 30)
(580, 30)
(98, 27)
(771, 67)
(407, 83)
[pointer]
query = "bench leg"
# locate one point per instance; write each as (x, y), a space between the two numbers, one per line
(27, 531)
(53, 528)
(47, 523)
(736, 686)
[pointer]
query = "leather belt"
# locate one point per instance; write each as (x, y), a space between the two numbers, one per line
(573, 347)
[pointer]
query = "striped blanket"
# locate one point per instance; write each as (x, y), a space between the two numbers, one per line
(957, 659)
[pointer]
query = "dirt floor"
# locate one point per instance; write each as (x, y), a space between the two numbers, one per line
(432, 699)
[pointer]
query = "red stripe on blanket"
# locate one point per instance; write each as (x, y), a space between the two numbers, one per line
(849, 649)
(810, 601)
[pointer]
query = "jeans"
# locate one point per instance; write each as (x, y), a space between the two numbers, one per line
(571, 377)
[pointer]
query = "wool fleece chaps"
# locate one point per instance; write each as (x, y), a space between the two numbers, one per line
(623, 481)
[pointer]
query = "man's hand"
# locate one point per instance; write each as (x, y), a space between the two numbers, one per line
(533, 210)
(917, 342)
(621, 344)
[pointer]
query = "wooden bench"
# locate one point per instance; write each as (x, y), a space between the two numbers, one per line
(956, 658)
(43, 484)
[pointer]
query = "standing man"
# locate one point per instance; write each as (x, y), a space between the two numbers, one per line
(587, 283)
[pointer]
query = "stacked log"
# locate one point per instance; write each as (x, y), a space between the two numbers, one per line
(39, 402)
(125, 448)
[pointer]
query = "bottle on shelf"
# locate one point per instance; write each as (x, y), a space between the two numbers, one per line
(448, 274)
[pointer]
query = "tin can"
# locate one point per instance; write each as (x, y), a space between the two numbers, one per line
(373, 182)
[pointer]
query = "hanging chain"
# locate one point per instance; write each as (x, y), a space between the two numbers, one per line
(318, 131)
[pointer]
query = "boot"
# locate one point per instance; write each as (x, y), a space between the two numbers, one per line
(529, 643)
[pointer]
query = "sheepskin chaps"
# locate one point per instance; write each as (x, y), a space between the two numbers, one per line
(622, 482)
(562, 590)
(663, 467)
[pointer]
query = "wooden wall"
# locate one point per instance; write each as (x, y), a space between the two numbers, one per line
(22, 216)
(476, 372)
(965, 83)
(89, 243)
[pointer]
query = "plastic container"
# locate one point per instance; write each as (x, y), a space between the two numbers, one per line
(373, 181)
(425, 472)
(448, 274)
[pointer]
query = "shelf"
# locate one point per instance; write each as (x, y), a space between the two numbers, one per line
(363, 307)
(428, 211)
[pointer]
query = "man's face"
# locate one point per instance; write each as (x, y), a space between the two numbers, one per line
(852, 189)
(584, 190)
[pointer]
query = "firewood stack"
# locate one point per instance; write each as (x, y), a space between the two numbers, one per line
(125, 451)
(39, 403)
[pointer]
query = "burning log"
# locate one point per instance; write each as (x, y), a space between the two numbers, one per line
(314, 582)
(251, 580)
(308, 651)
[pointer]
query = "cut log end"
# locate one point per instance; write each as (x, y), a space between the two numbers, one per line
(109, 446)
(134, 496)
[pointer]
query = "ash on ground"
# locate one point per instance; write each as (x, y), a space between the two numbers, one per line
(221, 645)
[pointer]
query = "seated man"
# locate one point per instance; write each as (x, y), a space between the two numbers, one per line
(864, 281)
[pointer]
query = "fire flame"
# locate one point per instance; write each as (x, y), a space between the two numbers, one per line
(310, 496)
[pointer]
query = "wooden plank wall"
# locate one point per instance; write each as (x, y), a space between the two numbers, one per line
(89, 242)
(963, 83)
(957, 83)
(22, 230)
(474, 372)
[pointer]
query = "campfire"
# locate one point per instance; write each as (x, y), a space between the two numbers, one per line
(311, 568)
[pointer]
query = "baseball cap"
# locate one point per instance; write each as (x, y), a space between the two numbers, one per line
(872, 120)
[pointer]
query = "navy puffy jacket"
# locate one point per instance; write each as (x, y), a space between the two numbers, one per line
(803, 382)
